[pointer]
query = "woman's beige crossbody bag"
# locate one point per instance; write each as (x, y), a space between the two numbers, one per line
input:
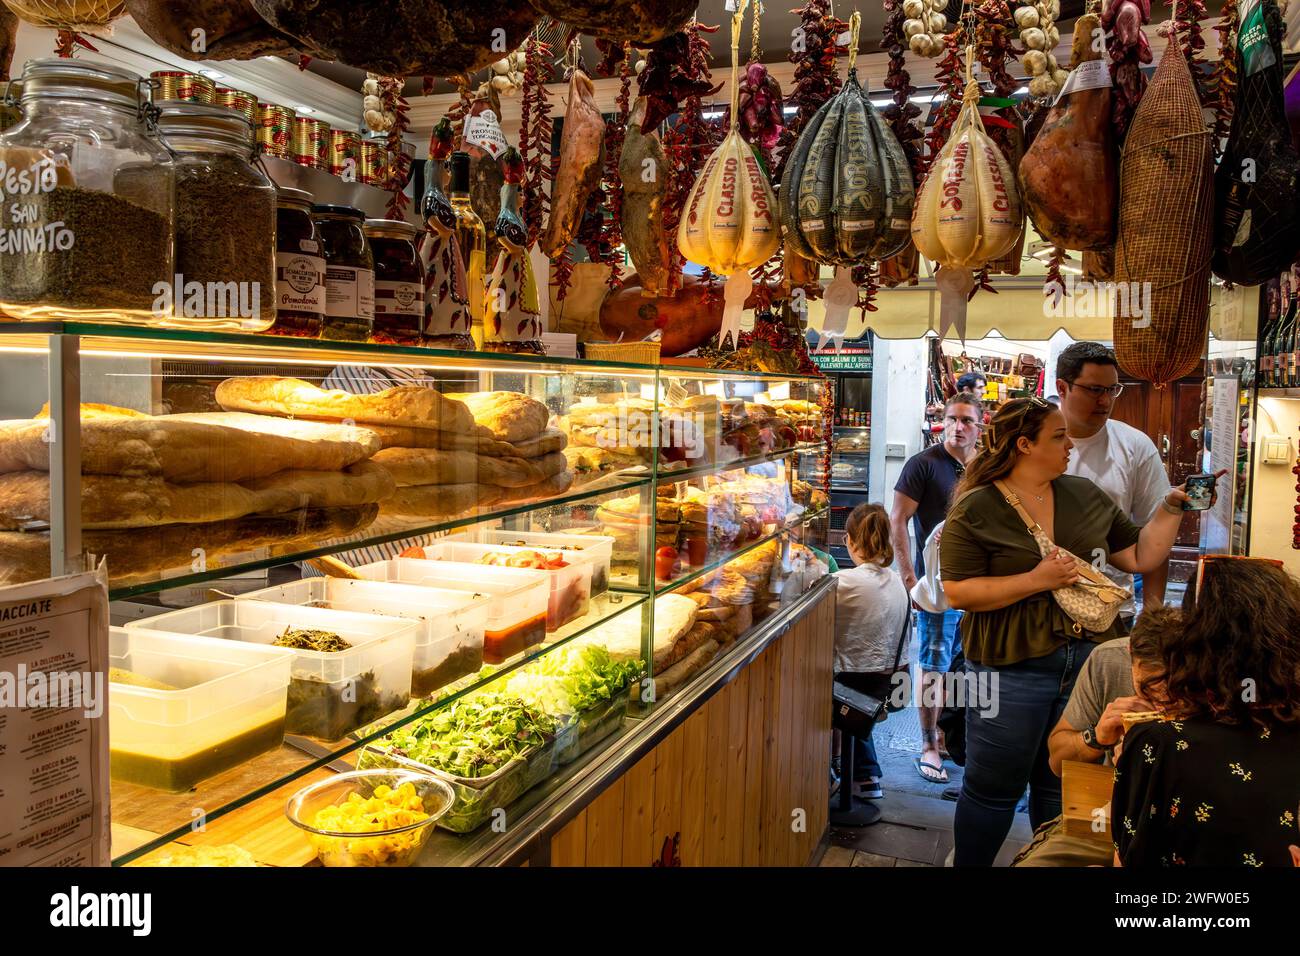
(1093, 602)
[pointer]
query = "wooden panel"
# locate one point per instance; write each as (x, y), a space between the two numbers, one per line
(803, 759)
(666, 839)
(736, 769)
(755, 756)
(715, 787)
(605, 827)
(638, 812)
(695, 773)
(781, 843)
(1085, 788)
(569, 846)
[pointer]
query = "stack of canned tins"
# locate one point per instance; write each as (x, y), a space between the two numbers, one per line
(282, 133)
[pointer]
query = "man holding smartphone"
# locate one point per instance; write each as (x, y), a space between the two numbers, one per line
(1116, 457)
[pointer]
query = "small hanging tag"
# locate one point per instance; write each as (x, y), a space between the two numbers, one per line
(734, 293)
(1088, 75)
(841, 296)
(954, 291)
(677, 393)
(730, 6)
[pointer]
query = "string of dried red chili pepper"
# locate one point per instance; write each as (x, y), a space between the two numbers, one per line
(399, 166)
(1187, 30)
(535, 132)
(1224, 79)
(816, 77)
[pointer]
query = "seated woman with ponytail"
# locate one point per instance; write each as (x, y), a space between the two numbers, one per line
(1020, 644)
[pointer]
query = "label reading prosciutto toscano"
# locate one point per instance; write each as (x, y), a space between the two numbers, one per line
(399, 298)
(349, 292)
(299, 282)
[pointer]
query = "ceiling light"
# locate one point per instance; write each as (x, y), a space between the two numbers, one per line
(212, 74)
(305, 109)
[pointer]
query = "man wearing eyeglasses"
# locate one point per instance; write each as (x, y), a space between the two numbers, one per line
(921, 496)
(1117, 457)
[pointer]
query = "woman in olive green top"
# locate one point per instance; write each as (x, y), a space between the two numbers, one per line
(1020, 645)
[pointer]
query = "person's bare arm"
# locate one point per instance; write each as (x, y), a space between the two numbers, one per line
(1153, 585)
(1066, 743)
(1057, 570)
(1155, 542)
(899, 516)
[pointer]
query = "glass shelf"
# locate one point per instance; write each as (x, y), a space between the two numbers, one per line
(690, 574)
(141, 341)
(736, 464)
(171, 816)
(356, 542)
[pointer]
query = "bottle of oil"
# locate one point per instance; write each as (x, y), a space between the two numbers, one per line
(471, 236)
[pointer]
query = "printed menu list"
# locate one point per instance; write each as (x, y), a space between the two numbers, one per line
(54, 792)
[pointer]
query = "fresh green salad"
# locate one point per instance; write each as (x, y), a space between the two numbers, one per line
(572, 679)
(475, 736)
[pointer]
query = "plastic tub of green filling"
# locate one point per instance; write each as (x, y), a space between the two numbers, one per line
(182, 709)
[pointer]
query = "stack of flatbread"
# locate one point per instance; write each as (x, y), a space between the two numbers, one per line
(725, 601)
(449, 455)
(165, 492)
(624, 520)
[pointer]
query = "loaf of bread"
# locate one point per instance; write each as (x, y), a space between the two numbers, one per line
(114, 501)
(411, 405)
(438, 502)
(142, 554)
(434, 466)
(212, 446)
(509, 416)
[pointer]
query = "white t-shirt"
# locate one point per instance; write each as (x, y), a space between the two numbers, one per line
(871, 605)
(1124, 463)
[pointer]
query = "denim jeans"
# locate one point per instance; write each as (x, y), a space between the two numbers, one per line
(865, 762)
(1006, 752)
(940, 640)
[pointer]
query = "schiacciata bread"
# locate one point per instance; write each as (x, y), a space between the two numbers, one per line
(114, 501)
(210, 446)
(433, 466)
(509, 416)
(412, 405)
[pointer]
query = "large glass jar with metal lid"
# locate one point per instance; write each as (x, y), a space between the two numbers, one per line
(399, 282)
(349, 273)
(225, 219)
(86, 199)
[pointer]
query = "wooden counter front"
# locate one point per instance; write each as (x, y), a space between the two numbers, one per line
(741, 782)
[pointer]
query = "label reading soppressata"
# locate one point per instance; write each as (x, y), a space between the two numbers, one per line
(349, 292)
(399, 298)
(299, 283)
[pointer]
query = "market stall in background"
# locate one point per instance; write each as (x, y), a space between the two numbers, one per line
(465, 403)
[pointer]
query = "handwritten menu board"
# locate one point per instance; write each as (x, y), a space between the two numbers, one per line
(54, 792)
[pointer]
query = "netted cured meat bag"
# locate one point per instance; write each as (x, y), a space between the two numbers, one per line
(79, 15)
(1162, 245)
(730, 220)
(846, 194)
(1257, 184)
(968, 211)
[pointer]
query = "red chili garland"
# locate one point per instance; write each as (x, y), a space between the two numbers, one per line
(535, 135)
(1224, 80)
(1187, 30)
(951, 74)
(901, 113)
(612, 185)
(67, 41)
(399, 168)
(816, 76)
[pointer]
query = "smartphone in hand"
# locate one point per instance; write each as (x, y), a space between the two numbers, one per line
(1200, 492)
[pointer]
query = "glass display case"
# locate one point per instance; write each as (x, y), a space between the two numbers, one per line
(383, 554)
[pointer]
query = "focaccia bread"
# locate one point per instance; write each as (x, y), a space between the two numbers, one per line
(209, 446)
(438, 502)
(547, 488)
(477, 439)
(113, 501)
(412, 405)
(141, 554)
(550, 440)
(509, 416)
(433, 466)
(679, 673)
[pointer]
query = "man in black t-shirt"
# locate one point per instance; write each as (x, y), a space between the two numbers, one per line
(921, 496)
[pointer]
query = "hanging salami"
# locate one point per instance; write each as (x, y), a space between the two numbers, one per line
(1162, 244)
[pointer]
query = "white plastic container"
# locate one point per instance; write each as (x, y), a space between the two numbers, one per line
(331, 694)
(598, 549)
(449, 644)
(570, 588)
(516, 613)
(228, 706)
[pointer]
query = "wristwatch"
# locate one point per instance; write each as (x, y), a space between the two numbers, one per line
(1090, 738)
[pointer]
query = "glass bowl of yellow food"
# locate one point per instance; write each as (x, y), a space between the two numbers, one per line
(379, 817)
